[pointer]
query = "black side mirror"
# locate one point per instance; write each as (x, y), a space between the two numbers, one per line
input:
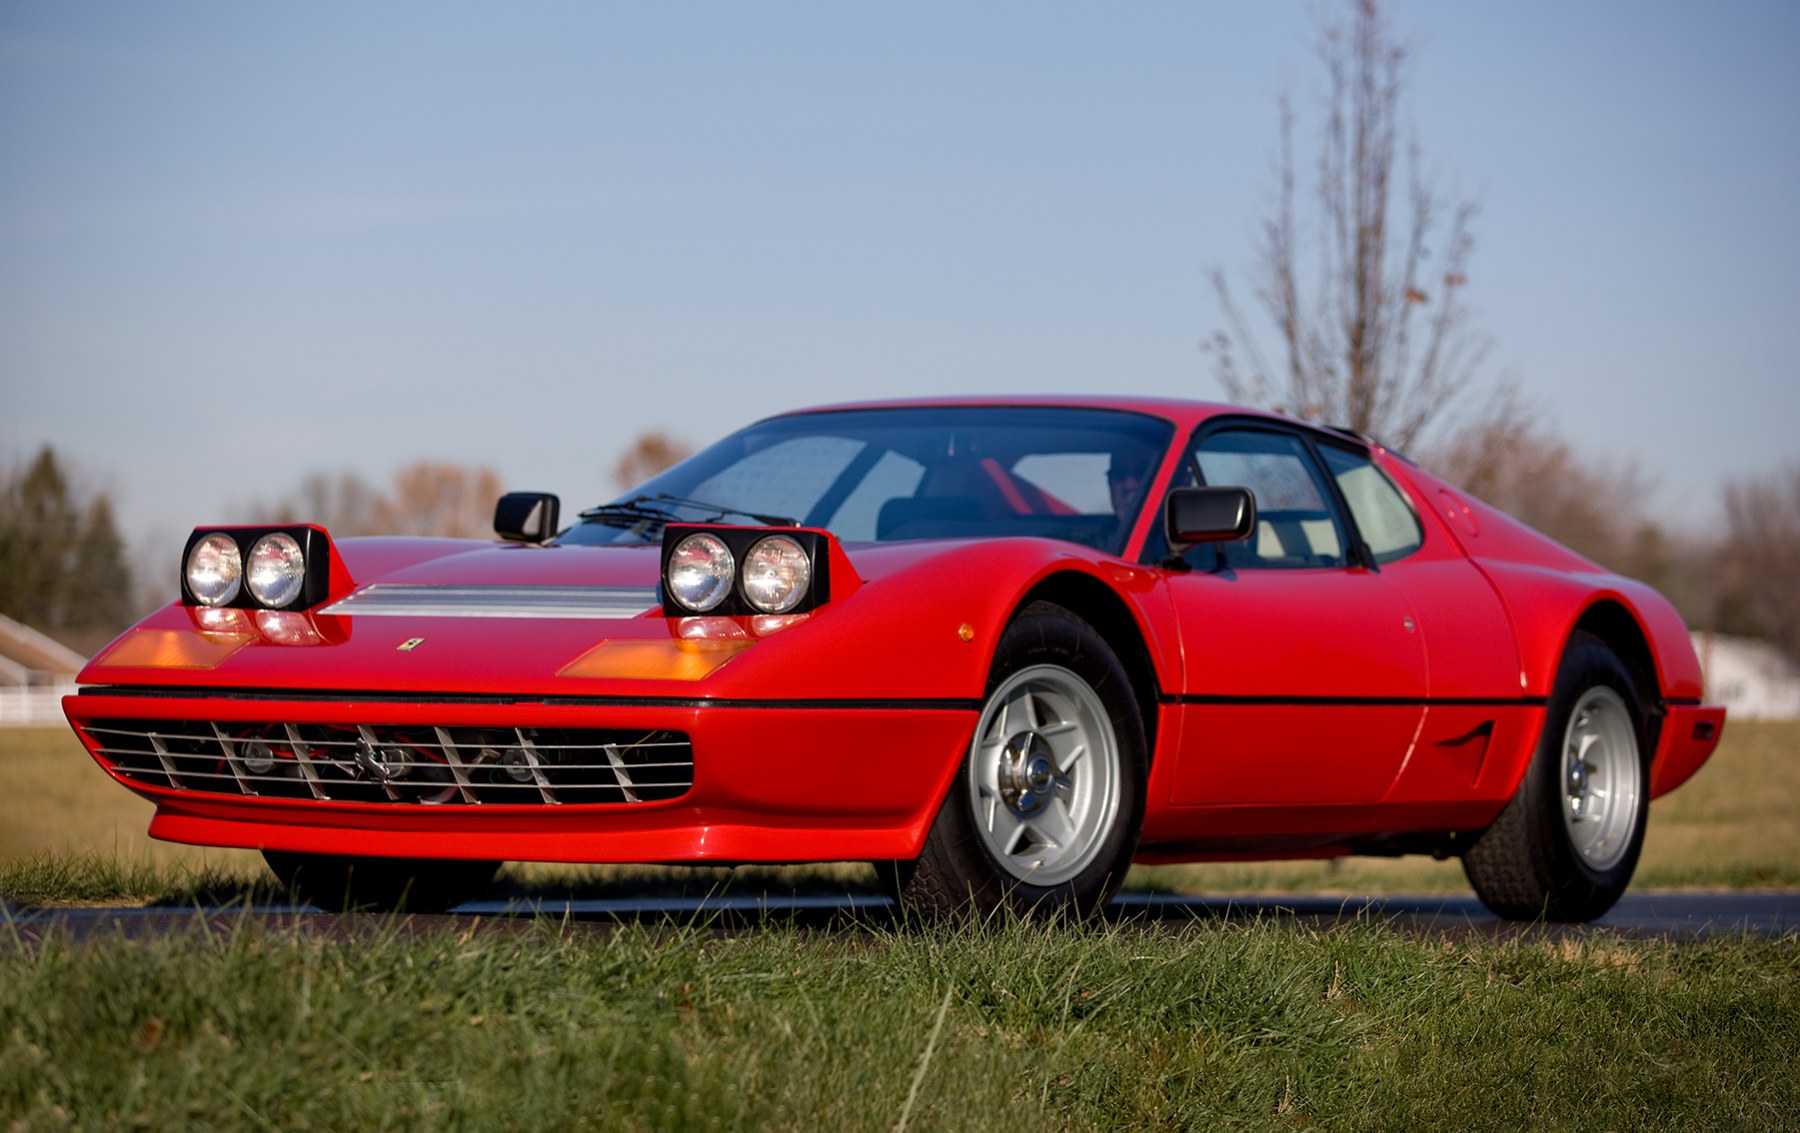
(526, 517)
(1208, 515)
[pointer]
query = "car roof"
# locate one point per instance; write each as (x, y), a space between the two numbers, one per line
(1184, 414)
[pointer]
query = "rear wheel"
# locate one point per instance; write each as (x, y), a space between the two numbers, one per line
(1565, 847)
(1046, 810)
(338, 883)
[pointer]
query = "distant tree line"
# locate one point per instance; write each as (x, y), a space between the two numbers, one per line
(426, 497)
(429, 497)
(63, 568)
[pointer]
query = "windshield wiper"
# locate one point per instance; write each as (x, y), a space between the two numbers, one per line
(627, 513)
(639, 508)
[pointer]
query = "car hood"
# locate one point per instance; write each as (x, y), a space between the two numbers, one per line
(452, 617)
(461, 563)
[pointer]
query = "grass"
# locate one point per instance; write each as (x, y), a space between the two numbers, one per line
(68, 835)
(546, 1025)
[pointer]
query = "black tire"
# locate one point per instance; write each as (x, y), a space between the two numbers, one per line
(1055, 686)
(1565, 847)
(337, 883)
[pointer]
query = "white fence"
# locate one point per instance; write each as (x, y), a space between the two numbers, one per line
(36, 707)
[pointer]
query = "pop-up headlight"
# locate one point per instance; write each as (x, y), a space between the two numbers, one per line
(212, 570)
(257, 568)
(743, 571)
(277, 570)
(699, 572)
(777, 574)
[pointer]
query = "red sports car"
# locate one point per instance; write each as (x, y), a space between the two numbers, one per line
(1000, 647)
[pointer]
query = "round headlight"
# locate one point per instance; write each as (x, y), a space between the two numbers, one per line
(699, 575)
(277, 570)
(214, 570)
(776, 574)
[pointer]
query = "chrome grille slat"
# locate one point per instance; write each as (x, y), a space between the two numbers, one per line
(621, 773)
(448, 746)
(162, 757)
(399, 764)
(303, 759)
(231, 759)
(536, 764)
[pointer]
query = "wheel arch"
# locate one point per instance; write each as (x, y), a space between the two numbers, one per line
(1097, 604)
(1614, 625)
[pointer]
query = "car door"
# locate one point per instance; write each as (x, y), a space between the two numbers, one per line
(1303, 675)
(1473, 705)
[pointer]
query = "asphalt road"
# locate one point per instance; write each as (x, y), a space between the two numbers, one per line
(1677, 916)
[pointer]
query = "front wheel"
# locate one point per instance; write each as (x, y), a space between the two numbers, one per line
(1565, 847)
(1046, 810)
(338, 883)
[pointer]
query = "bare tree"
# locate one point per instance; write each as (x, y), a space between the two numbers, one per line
(343, 504)
(1761, 558)
(1596, 509)
(650, 453)
(1380, 341)
(426, 498)
(431, 498)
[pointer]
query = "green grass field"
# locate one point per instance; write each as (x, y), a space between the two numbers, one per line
(543, 1025)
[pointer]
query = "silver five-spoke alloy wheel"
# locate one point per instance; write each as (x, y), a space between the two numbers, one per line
(1601, 778)
(1044, 775)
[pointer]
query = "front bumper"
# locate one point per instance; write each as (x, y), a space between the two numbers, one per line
(772, 781)
(1690, 732)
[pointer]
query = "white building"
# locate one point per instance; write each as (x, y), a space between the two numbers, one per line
(1751, 678)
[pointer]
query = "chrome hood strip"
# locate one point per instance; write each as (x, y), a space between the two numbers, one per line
(391, 600)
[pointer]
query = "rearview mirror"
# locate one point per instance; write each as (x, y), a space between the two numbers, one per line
(1208, 515)
(526, 517)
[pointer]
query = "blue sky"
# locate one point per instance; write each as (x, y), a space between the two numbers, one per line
(242, 243)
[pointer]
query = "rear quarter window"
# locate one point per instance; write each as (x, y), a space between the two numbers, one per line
(1386, 521)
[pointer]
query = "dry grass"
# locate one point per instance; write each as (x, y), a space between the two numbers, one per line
(1736, 825)
(59, 802)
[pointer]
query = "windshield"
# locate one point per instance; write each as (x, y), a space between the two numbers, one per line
(883, 475)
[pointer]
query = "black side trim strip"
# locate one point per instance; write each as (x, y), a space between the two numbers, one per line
(1359, 701)
(1683, 702)
(942, 704)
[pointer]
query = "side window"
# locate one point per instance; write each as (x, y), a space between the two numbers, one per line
(1297, 525)
(1383, 517)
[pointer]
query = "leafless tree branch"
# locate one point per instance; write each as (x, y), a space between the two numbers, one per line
(1382, 341)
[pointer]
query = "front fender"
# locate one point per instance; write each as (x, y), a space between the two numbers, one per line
(923, 626)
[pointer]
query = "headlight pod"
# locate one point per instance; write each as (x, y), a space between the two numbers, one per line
(213, 569)
(743, 571)
(256, 568)
(777, 574)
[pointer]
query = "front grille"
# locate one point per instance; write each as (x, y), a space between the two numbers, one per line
(399, 763)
